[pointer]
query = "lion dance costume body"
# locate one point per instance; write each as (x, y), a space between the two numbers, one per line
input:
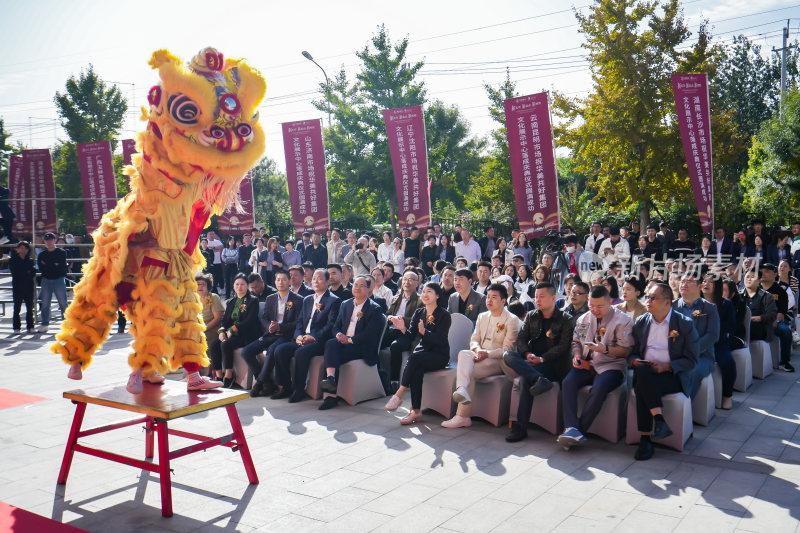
(201, 139)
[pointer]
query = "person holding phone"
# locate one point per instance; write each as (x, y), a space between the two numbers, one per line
(601, 342)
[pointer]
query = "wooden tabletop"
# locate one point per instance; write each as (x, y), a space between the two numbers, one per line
(167, 401)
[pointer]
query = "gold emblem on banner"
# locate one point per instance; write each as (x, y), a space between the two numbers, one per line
(538, 218)
(308, 221)
(410, 218)
(40, 225)
(234, 220)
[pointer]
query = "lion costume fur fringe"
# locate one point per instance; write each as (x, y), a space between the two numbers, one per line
(201, 139)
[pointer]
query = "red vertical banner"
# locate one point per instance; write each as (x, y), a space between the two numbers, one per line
(533, 163)
(230, 222)
(405, 133)
(19, 188)
(305, 173)
(97, 180)
(128, 149)
(38, 171)
(694, 120)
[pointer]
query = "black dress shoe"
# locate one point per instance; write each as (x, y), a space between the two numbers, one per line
(257, 390)
(297, 397)
(227, 382)
(281, 394)
(269, 388)
(644, 451)
(328, 385)
(329, 403)
(541, 386)
(517, 433)
(661, 430)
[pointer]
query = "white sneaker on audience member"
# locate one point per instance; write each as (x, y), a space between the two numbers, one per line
(462, 396)
(457, 421)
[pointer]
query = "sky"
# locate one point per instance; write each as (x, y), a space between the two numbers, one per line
(465, 44)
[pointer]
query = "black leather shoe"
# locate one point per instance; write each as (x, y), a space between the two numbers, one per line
(269, 388)
(297, 397)
(661, 430)
(328, 385)
(227, 382)
(257, 390)
(281, 394)
(644, 451)
(541, 386)
(517, 433)
(329, 403)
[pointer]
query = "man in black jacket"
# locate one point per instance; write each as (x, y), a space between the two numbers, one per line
(316, 253)
(542, 355)
(52, 263)
(23, 275)
(281, 311)
(244, 254)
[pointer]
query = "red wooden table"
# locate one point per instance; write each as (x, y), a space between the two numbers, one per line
(158, 404)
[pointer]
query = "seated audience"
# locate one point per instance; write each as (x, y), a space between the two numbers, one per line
(465, 300)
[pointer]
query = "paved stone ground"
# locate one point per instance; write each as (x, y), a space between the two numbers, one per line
(357, 469)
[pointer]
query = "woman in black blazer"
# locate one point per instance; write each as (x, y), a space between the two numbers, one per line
(445, 251)
(431, 324)
(239, 327)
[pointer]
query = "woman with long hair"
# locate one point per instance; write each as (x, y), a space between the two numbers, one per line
(731, 292)
(520, 246)
(503, 251)
(271, 261)
(757, 249)
(430, 324)
(791, 283)
(212, 305)
(523, 284)
(445, 250)
(230, 262)
(711, 289)
(610, 283)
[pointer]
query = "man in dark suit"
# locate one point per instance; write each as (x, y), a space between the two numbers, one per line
(487, 243)
(542, 355)
(465, 299)
(316, 253)
(281, 311)
(723, 246)
(665, 351)
(401, 309)
(388, 277)
(313, 329)
(244, 254)
(356, 334)
(335, 282)
(296, 285)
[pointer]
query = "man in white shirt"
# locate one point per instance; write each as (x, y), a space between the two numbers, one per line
(665, 350)
(385, 250)
(495, 332)
(335, 246)
(468, 247)
(216, 269)
(614, 249)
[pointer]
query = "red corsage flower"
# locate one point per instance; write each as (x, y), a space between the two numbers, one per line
(359, 315)
(429, 320)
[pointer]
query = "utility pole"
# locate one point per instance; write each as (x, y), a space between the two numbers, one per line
(783, 63)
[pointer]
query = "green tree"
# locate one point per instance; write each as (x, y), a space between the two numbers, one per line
(6, 151)
(90, 111)
(493, 186)
(271, 197)
(624, 135)
(454, 158)
(772, 181)
(356, 143)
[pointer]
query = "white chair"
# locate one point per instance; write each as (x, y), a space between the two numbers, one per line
(438, 386)
(492, 399)
(744, 359)
(703, 403)
(546, 411)
(775, 348)
(358, 381)
(677, 411)
(316, 373)
(716, 375)
(762, 359)
(243, 375)
(610, 421)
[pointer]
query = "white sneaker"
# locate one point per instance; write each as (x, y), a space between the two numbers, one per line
(135, 382)
(75, 372)
(461, 396)
(41, 329)
(31, 330)
(17, 331)
(155, 379)
(457, 421)
(197, 382)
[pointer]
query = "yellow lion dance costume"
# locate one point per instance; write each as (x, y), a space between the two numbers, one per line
(201, 139)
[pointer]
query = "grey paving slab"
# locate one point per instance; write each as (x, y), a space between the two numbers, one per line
(355, 468)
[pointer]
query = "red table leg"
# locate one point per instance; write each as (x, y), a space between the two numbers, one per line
(66, 463)
(163, 468)
(238, 434)
(149, 438)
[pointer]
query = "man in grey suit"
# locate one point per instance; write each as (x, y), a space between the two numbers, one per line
(466, 300)
(705, 316)
(665, 347)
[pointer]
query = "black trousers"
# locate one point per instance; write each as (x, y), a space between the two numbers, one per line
(268, 343)
(216, 271)
(19, 299)
(650, 387)
(419, 363)
(302, 360)
(398, 343)
(221, 352)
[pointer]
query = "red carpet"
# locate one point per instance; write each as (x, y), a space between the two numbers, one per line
(13, 519)
(9, 398)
